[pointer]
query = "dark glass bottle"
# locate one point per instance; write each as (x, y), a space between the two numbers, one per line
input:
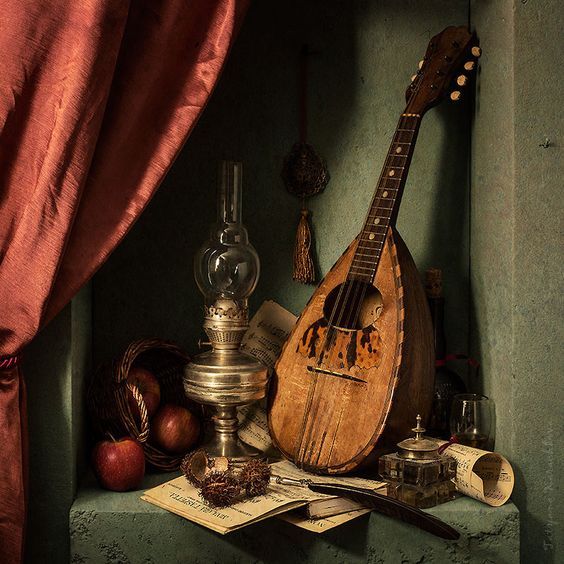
(447, 382)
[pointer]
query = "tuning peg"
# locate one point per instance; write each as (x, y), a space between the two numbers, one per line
(455, 95)
(476, 51)
(469, 66)
(421, 63)
(413, 78)
(462, 80)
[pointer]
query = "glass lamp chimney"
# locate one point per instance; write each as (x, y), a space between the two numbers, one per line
(227, 267)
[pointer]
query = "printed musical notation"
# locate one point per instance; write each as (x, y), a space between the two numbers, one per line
(482, 475)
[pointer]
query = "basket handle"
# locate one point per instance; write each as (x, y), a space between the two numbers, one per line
(144, 433)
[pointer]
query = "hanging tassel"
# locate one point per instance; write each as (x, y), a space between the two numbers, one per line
(304, 270)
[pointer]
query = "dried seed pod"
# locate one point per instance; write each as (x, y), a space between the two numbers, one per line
(220, 464)
(255, 477)
(220, 489)
(195, 467)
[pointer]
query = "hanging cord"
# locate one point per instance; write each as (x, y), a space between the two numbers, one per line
(304, 268)
(302, 89)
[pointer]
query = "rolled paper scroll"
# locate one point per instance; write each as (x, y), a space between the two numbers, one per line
(480, 474)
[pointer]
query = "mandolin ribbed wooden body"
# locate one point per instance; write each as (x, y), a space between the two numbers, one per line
(330, 417)
(359, 365)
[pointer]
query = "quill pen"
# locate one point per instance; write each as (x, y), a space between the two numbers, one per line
(381, 504)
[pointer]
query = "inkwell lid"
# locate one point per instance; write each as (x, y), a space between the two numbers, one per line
(418, 448)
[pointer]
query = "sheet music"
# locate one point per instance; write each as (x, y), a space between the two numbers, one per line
(483, 475)
(182, 498)
(268, 330)
(321, 525)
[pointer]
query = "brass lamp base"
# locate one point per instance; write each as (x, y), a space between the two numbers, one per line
(226, 379)
(225, 441)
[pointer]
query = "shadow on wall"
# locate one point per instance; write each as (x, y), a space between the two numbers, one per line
(147, 286)
(259, 99)
(355, 96)
(449, 227)
(448, 243)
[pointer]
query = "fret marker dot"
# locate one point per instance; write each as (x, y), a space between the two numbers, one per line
(371, 236)
(377, 221)
(385, 194)
(398, 150)
(391, 173)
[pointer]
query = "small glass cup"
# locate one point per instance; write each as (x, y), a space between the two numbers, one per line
(471, 420)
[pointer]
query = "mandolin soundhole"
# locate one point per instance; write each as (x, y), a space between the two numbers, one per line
(352, 305)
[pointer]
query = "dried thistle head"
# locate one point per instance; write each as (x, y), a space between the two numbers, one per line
(195, 467)
(220, 489)
(255, 477)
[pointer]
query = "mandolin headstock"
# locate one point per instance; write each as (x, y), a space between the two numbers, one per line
(449, 60)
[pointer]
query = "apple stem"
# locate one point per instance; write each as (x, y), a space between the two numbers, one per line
(111, 437)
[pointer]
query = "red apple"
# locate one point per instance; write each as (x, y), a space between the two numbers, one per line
(175, 429)
(148, 385)
(119, 464)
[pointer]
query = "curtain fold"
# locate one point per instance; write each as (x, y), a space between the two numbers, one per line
(13, 464)
(96, 100)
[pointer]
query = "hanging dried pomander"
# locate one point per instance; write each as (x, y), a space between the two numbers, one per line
(254, 477)
(220, 489)
(305, 174)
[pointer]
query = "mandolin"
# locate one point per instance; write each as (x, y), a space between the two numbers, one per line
(359, 365)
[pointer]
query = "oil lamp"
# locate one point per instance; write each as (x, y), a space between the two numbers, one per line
(226, 269)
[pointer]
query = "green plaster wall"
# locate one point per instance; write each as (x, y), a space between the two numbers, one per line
(365, 55)
(516, 253)
(55, 367)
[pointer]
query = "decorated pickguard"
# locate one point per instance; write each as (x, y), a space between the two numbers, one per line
(338, 349)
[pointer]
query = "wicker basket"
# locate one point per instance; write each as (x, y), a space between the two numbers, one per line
(108, 398)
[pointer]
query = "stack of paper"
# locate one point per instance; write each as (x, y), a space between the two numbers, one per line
(180, 497)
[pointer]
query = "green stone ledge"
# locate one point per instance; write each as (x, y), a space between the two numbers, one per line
(120, 528)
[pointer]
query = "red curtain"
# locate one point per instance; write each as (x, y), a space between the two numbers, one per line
(96, 99)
